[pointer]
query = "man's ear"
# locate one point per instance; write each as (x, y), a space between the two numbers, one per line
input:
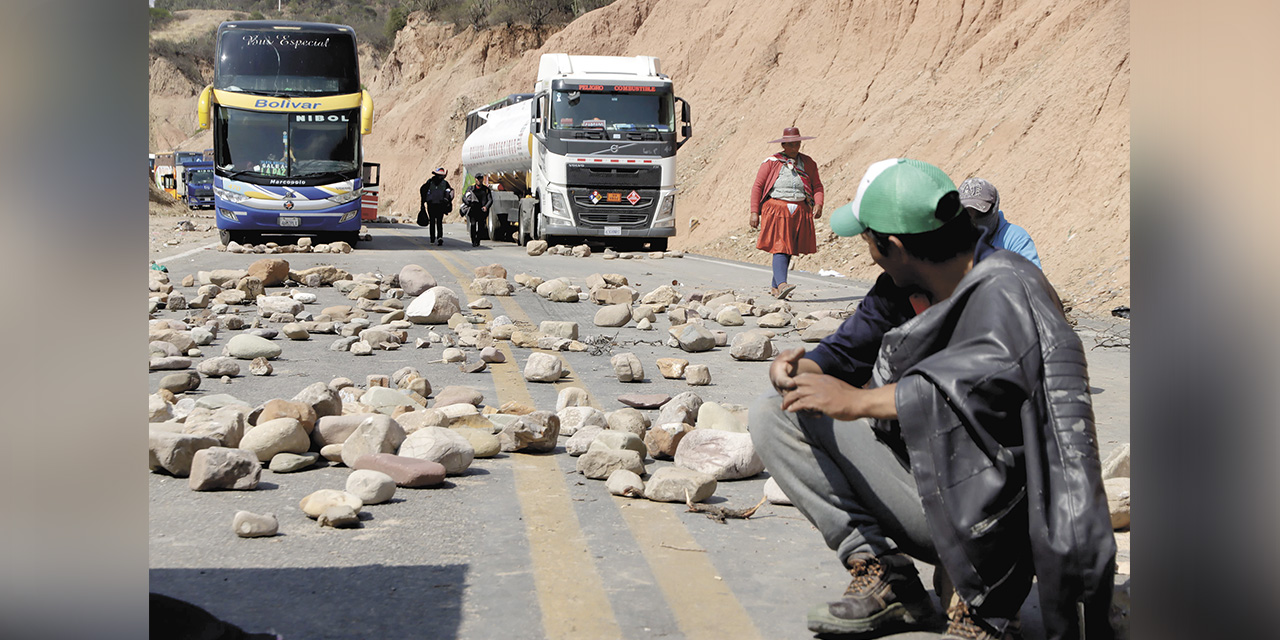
(896, 243)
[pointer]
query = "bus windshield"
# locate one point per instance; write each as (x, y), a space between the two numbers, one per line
(612, 111)
(295, 63)
(292, 145)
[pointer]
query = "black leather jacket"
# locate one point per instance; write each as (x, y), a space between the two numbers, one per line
(994, 409)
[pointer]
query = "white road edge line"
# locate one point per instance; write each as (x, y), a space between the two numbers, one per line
(765, 269)
(187, 253)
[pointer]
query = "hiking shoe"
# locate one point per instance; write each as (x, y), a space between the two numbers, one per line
(785, 290)
(962, 624)
(885, 595)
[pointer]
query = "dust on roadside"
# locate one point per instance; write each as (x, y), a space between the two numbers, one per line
(173, 228)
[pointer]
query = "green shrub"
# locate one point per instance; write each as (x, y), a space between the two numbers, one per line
(160, 17)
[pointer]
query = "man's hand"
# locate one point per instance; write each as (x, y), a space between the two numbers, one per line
(755, 221)
(784, 366)
(839, 399)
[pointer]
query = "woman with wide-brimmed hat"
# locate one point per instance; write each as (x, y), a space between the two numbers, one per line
(785, 199)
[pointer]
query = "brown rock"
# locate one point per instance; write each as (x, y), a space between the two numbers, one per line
(405, 471)
(491, 271)
(279, 408)
(271, 271)
(672, 368)
(662, 440)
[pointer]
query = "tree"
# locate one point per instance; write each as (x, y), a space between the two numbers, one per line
(396, 19)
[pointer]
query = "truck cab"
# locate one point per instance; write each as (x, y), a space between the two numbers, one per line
(197, 178)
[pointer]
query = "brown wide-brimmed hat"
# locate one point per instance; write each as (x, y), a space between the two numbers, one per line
(791, 134)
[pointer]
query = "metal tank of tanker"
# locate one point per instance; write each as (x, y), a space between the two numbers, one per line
(501, 144)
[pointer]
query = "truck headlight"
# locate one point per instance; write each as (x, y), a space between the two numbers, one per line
(559, 213)
(343, 198)
(666, 216)
(229, 196)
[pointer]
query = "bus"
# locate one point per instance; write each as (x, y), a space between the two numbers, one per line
(287, 111)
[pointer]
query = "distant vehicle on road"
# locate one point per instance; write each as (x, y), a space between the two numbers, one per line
(287, 113)
(590, 154)
(197, 184)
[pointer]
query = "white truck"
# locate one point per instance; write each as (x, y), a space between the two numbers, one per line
(589, 154)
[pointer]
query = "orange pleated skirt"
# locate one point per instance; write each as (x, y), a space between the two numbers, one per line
(783, 231)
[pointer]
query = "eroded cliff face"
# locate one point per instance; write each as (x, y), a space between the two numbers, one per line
(1033, 96)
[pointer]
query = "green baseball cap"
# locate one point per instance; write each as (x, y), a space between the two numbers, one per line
(897, 195)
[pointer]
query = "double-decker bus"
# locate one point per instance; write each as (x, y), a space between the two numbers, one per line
(287, 111)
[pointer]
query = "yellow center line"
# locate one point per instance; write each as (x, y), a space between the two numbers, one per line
(570, 591)
(702, 604)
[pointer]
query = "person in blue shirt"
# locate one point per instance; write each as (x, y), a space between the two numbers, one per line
(982, 202)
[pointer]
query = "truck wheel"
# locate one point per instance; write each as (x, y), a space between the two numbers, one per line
(493, 228)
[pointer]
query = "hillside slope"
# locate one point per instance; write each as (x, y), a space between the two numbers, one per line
(1032, 95)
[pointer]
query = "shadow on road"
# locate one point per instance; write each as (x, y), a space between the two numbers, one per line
(371, 601)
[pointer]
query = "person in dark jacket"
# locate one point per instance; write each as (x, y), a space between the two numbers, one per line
(972, 446)
(437, 201)
(475, 206)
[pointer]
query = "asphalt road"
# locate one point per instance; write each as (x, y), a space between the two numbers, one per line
(521, 546)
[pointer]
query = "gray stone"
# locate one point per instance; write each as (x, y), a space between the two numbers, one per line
(295, 331)
(559, 329)
(376, 434)
(682, 408)
(627, 367)
(751, 346)
(580, 442)
(543, 367)
(697, 374)
(536, 432)
(225, 424)
(491, 287)
(598, 464)
(774, 320)
(260, 367)
(268, 305)
(415, 280)
(439, 444)
(291, 462)
(820, 329)
(322, 399)
(343, 344)
(773, 493)
(629, 420)
(672, 484)
(1117, 464)
(694, 338)
(219, 366)
(614, 315)
(251, 525)
(663, 440)
(435, 306)
(729, 317)
(536, 247)
(457, 394)
(180, 382)
(1118, 501)
(224, 468)
(492, 355)
(626, 483)
(158, 409)
(275, 436)
(249, 347)
(721, 454)
(169, 363)
(572, 397)
(173, 452)
(370, 486)
(574, 418)
(610, 439)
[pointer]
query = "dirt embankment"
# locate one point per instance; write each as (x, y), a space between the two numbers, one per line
(1033, 96)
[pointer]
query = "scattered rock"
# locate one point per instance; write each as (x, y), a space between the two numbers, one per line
(376, 434)
(693, 338)
(173, 452)
(627, 367)
(370, 486)
(492, 287)
(820, 329)
(361, 348)
(721, 454)
(219, 366)
(1118, 501)
(406, 472)
(644, 400)
(672, 368)
(536, 247)
(774, 320)
(598, 464)
(415, 280)
(559, 329)
(275, 436)
(260, 367)
(543, 367)
(492, 355)
(438, 444)
(697, 374)
(247, 524)
(663, 440)
(280, 408)
(271, 271)
(291, 462)
(626, 483)
(572, 397)
(434, 306)
(224, 468)
(535, 432)
(577, 417)
(751, 346)
(456, 394)
(295, 331)
(614, 315)
(682, 408)
(712, 415)
(1117, 464)
(483, 441)
(773, 493)
(672, 484)
(322, 399)
(249, 347)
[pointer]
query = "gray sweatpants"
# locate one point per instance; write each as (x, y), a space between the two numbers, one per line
(849, 484)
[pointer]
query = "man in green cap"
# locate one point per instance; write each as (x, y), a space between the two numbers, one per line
(950, 421)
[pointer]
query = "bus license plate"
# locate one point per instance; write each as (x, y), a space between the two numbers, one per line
(613, 231)
(289, 221)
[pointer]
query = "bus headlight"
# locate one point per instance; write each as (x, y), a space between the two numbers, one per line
(347, 216)
(559, 213)
(229, 196)
(229, 215)
(666, 216)
(343, 198)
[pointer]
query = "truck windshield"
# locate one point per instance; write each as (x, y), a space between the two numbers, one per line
(292, 63)
(612, 111)
(200, 176)
(287, 144)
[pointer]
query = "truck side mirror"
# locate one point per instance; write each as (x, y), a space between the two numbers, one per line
(686, 128)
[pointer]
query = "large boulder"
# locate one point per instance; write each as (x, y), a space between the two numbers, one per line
(543, 367)
(435, 306)
(271, 271)
(173, 452)
(439, 444)
(415, 280)
(224, 468)
(721, 454)
(614, 315)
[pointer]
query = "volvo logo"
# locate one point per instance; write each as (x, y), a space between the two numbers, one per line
(288, 205)
(613, 148)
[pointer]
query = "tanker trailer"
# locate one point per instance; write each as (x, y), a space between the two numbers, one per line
(589, 155)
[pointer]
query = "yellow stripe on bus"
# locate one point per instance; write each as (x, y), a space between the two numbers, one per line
(286, 105)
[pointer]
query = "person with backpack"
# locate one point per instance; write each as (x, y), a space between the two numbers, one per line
(437, 200)
(475, 207)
